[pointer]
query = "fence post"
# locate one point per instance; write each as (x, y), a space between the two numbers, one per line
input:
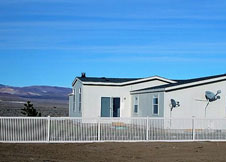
(48, 127)
(147, 129)
(98, 134)
(193, 128)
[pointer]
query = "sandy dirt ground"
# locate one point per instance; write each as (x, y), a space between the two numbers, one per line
(123, 152)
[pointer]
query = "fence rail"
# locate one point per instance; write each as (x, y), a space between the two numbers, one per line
(65, 129)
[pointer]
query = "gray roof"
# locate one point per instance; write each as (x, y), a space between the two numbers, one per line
(181, 82)
(106, 80)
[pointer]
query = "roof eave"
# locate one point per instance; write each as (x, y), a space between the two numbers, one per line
(125, 83)
(152, 77)
(75, 80)
(147, 91)
(194, 84)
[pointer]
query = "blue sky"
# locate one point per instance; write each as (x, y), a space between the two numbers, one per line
(49, 42)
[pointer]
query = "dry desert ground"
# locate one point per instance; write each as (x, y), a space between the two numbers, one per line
(123, 152)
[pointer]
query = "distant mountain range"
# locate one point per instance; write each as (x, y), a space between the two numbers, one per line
(44, 93)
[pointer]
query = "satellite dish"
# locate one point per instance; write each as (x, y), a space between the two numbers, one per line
(210, 97)
(174, 104)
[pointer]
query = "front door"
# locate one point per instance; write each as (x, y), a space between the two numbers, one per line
(116, 107)
(110, 107)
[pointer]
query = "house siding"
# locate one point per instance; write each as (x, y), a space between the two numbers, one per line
(145, 106)
(193, 102)
(76, 112)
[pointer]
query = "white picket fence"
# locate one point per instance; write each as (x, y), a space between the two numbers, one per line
(64, 129)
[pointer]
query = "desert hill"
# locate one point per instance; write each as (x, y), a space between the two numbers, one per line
(49, 100)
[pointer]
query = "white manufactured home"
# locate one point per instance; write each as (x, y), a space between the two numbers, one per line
(148, 97)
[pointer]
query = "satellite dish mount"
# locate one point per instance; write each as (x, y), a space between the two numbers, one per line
(173, 104)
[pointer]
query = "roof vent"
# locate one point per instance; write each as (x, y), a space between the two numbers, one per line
(83, 75)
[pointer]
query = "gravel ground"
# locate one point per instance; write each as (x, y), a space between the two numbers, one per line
(101, 152)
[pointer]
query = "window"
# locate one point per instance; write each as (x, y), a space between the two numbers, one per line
(80, 100)
(135, 108)
(135, 105)
(73, 104)
(155, 104)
